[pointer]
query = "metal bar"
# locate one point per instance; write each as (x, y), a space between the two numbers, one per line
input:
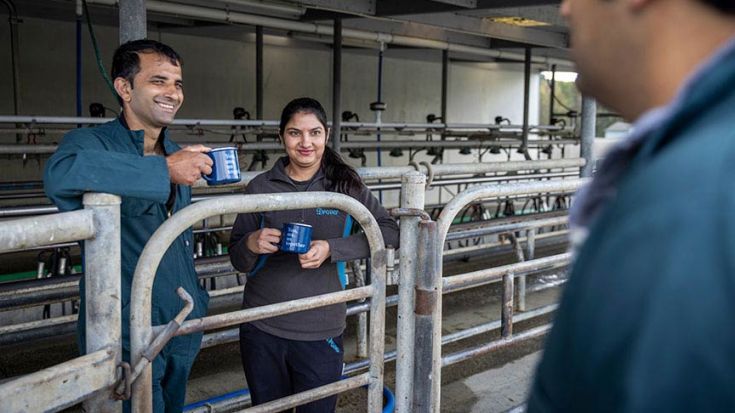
(488, 275)
(412, 196)
(362, 322)
(552, 94)
(60, 386)
(497, 229)
(271, 310)
(141, 329)
(73, 120)
(526, 100)
(459, 356)
(496, 324)
(445, 84)
(460, 201)
(506, 310)
(259, 79)
(337, 84)
(18, 234)
(587, 132)
(427, 341)
(321, 392)
(103, 290)
(19, 149)
(132, 20)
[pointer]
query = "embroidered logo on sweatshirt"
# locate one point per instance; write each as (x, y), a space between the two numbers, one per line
(322, 211)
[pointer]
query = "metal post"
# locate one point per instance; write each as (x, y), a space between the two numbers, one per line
(445, 83)
(337, 84)
(506, 312)
(259, 72)
(427, 368)
(552, 94)
(79, 59)
(587, 132)
(521, 279)
(412, 196)
(132, 20)
(14, 59)
(362, 321)
(379, 113)
(103, 294)
(526, 101)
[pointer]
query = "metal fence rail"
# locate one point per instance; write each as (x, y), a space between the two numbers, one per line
(427, 390)
(82, 378)
(142, 332)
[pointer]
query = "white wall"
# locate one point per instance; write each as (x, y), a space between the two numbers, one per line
(220, 74)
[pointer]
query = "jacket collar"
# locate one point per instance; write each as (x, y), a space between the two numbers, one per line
(278, 172)
(122, 131)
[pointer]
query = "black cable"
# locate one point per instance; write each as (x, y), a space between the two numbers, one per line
(97, 51)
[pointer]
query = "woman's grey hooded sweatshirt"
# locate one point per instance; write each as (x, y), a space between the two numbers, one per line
(278, 277)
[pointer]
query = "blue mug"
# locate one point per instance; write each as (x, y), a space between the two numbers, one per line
(225, 166)
(295, 238)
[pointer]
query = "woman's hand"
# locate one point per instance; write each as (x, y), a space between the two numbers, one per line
(317, 254)
(263, 241)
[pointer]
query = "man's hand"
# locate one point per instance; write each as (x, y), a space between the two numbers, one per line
(263, 241)
(189, 164)
(317, 254)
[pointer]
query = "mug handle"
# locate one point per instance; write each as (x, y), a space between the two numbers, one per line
(207, 177)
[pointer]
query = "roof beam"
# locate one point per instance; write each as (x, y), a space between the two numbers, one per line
(397, 8)
(363, 7)
(484, 27)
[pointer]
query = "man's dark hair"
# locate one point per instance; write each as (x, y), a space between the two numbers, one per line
(725, 6)
(126, 62)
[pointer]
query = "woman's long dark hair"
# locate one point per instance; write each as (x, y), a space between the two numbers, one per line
(342, 177)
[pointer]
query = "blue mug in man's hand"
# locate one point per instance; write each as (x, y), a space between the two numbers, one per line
(295, 237)
(225, 166)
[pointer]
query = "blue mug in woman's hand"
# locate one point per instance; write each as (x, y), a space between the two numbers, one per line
(225, 166)
(295, 237)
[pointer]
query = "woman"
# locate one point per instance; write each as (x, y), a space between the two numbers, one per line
(296, 352)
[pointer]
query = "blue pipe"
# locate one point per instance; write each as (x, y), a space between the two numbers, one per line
(216, 399)
(388, 406)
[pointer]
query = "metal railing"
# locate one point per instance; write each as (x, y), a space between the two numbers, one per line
(427, 358)
(420, 289)
(142, 333)
(83, 378)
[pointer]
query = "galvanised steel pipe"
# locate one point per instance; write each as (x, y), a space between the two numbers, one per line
(495, 325)
(272, 310)
(459, 202)
(321, 392)
(103, 290)
(427, 340)
(73, 120)
(61, 386)
(412, 196)
(495, 345)
(489, 229)
(489, 275)
(140, 318)
(20, 233)
(40, 149)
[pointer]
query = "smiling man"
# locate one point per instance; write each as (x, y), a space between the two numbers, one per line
(646, 321)
(133, 157)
